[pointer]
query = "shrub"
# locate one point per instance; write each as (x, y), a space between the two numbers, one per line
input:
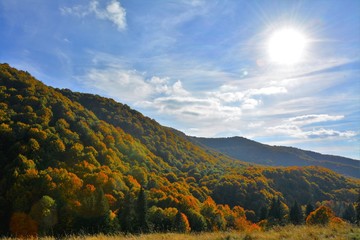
(321, 216)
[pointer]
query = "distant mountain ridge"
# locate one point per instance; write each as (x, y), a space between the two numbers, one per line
(254, 152)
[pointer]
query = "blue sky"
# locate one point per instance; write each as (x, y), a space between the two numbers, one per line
(202, 66)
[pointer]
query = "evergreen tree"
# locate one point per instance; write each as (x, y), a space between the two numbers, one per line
(350, 213)
(309, 208)
(277, 212)
(127, 215)
(141, 212)
(263, 213)
(296, 214)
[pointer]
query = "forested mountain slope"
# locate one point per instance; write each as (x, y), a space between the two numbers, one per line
(73, 162)
(254, 152)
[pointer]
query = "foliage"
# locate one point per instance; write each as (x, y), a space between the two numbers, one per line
(44, 212)
(73, 162)
(321, 216)
(22, 225)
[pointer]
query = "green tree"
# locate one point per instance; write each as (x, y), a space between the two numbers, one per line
(277, 212)
(263, 213)
(350, 214)
(44, 212)
(296, 215)
(309, 209)
(181, 223)
(141, 212)
(196, 220)
(127, 215)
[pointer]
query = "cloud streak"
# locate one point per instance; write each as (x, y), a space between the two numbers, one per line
(112, 12)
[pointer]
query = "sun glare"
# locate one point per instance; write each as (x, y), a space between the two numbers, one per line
(287, 46)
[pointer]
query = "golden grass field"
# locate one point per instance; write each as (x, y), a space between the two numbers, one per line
(339, 232)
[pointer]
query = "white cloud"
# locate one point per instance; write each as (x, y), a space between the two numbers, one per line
(113, 12)
(297, 132)
(267, 91)
(131, 86)
(256, 124)
(325, 133)
(314, 118)
(229, 94)
(125, 85)
(294, 127)
(250, 103)
(286, 129)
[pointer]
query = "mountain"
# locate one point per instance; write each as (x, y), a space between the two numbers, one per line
(254, 152)
(73, 162)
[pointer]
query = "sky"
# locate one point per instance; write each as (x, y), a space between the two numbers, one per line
(203, 67)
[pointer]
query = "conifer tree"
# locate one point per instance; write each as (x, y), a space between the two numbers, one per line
(277, 212)
(263, 213)
(141, 212)
(296, 214)
(309, 208)
(350, 213)
(127, 215)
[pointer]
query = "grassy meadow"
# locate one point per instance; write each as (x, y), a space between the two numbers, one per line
(338, 232)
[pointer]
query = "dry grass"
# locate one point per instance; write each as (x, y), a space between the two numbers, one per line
(339, 232)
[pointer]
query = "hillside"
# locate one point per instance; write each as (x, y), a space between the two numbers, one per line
(254, 152)
(73, 162)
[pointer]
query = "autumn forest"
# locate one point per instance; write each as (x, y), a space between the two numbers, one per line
(74, 163)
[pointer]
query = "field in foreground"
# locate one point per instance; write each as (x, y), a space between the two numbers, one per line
(343, 232)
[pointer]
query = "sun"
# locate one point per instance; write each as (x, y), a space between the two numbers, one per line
(287, 46)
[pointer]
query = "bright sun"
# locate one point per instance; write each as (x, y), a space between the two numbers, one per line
(287, 46)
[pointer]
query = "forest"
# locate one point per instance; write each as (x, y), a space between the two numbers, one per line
(254, 152)
(79, 163)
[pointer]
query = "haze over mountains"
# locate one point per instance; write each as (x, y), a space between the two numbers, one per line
(254, 152)
(87, 160)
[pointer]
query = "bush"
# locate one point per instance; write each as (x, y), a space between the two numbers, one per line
(321, 216)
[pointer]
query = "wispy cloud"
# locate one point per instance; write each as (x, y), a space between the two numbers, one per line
(297, 132)
(113, 12)
(294, 127)
(313, 118)
(263, 105)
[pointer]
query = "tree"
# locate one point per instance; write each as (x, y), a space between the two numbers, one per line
(263, 213)
(127, 215)
(141, 212)
(209, 211)
(309, 209)
(350, 213)
(196, 220)
(277, 212)
(296, 214)
(321, 216)
(45, 213)
(181, 223)
(94, 210)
